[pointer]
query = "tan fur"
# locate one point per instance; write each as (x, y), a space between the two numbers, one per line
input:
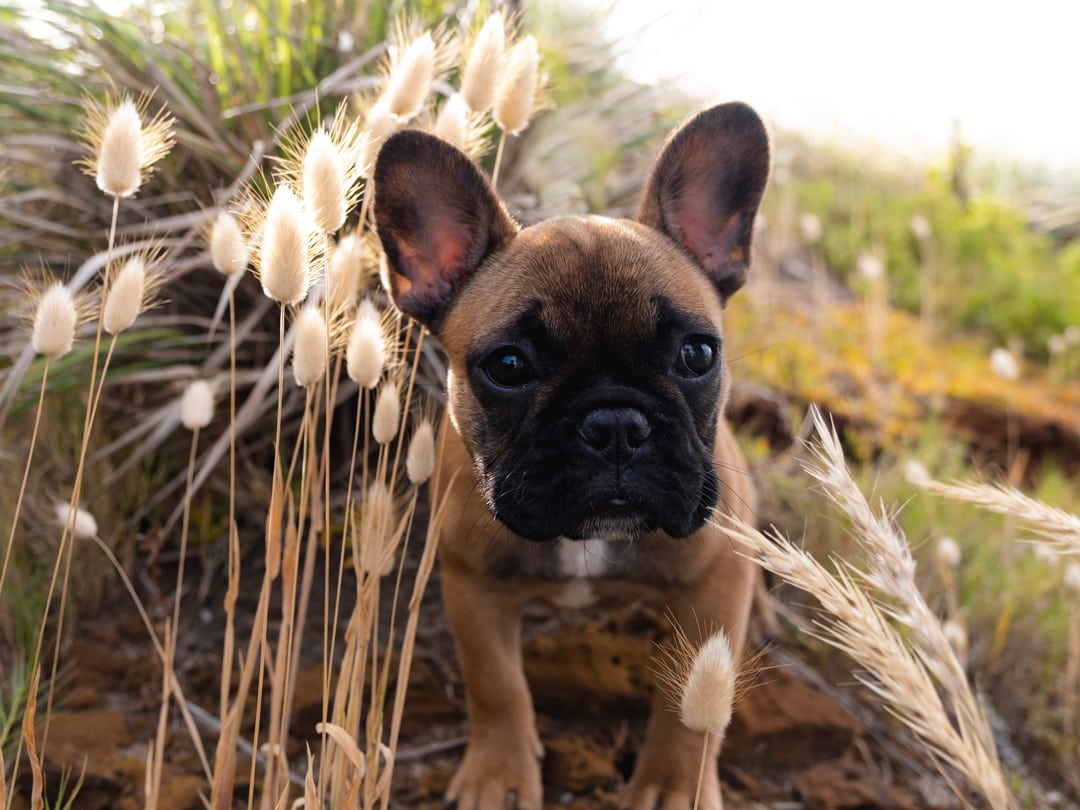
(593, 310)
(486, 569)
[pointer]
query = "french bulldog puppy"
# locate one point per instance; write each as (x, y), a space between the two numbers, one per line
(586, 388)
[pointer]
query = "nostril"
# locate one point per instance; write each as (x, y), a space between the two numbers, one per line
(615, 430)
(596, 431)
(637, 429)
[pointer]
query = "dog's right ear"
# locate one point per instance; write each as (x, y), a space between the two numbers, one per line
(438, 218)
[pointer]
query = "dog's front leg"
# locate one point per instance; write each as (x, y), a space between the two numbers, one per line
(502, 761)
(666, 773)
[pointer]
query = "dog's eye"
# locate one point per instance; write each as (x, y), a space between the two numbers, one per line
(509, 368)
(696, 357)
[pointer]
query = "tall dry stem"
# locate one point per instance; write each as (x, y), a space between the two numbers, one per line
(901, 668)
(1059, 528)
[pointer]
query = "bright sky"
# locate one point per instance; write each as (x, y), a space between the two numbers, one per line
(899, 73)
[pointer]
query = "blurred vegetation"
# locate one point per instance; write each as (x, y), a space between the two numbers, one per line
(945, 233)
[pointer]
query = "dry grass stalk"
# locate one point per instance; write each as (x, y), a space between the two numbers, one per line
(1059, 528)
(52, 332)
(860, 628)
(123, 152)
(423, 574)
(37, 788)
(902, 674)
(155, 756)
(515, 94)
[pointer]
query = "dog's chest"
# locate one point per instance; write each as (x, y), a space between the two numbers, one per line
(578, 563)
(583, 559)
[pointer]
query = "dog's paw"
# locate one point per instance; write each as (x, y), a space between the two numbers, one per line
(655, 787)
(495, 777)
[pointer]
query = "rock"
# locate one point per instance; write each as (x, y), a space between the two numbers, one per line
(845, 784)
(783, 721)
(94, 735)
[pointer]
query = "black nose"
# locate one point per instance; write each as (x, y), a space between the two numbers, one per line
(615, 432)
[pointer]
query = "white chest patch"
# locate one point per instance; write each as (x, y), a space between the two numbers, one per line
(583, 559)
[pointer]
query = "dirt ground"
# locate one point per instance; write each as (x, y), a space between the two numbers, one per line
(796, 741)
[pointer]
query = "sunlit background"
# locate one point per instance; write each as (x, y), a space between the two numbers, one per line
(909, 76)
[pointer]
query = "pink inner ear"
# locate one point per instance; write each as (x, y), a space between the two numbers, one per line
(436, 262)
(697, 237)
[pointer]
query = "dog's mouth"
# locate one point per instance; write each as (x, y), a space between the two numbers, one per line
(622, 516)
(615, 519)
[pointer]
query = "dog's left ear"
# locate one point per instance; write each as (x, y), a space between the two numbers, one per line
(705, 189)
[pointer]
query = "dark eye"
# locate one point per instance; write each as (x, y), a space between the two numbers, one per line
(509, 368)
(696, 356)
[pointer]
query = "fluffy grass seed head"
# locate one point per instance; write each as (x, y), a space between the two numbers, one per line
(708, 695)
(349, 269)
(379, 125)
(921, 228)
(515, 92)
(284, 257)
(55, 318)
(704, 682)
(420, 460)
(309, 348)
(1003, 365)
(197, 405)
(915, 472)
(387, 416)
(412, 70)
(870, 267)
(377, 528)
(123, 147)
(325, 168)
(947, 552)
(365, 355)
(324, 183)
(452, 123)
(484, 64)
(228, 249)
(1045, 553)
(957, 636)
(1071, 578)
(86, 527)
(131, 287)
(811, 229)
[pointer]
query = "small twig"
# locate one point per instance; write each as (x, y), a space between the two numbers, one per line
(207, 722)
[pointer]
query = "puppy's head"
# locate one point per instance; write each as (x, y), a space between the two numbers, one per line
(585, 354)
